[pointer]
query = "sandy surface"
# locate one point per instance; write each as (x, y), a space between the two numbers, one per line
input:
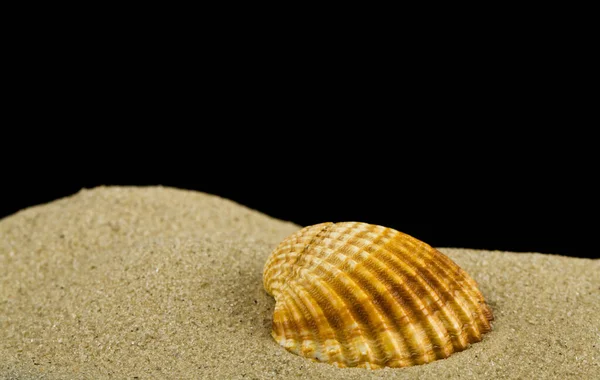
(157, 283)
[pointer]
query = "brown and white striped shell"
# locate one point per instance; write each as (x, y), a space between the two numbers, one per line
(361, 295)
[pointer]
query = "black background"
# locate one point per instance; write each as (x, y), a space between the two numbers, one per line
(473, 143)
(448, 194)
(470, 173)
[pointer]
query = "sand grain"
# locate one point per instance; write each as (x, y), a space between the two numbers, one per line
(118, 282)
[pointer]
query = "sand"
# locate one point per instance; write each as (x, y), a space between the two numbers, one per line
(161, 283)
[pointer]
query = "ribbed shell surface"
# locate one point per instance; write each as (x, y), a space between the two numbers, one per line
(359, 295)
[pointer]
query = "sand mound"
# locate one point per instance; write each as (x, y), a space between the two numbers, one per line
(165, 283)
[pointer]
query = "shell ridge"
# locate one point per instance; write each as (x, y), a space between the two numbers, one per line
(277, 257)
(446, 289)
(339, 244)
(292, 332)
(402, 282)
(310, 254)
(451, 269)
(319, 254)
(442, 308)
(426, 340)
(345, 290)
(343, 334)
(274, 266)
(285, 248)
(344, 282)
(431, 326)
(361, 315)
(304, 256)
(310, 328)
(323, 296)
(430, 258)
(359, 295)
(283, 316)
(298, 274)
(394, 285)
(390, 313)
(390, 318)
(451, 319)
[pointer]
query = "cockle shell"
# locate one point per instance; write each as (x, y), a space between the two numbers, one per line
(360, 295)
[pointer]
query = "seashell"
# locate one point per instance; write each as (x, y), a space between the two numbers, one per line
(359, 295)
